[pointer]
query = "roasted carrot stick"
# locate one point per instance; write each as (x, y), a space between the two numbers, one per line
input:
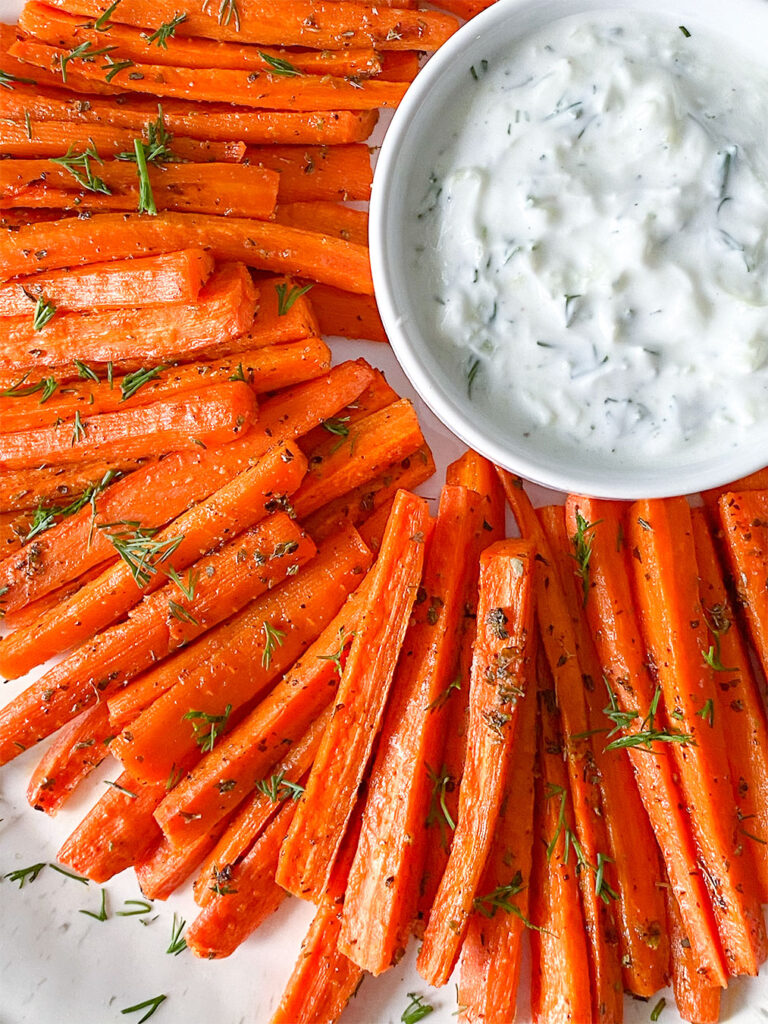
(348, 316)
(251, 819)
(226, 513)
(335, 173)
(115, 833)
(466, 8)
(753, 482)
(59, 487)
(330, 26)
(14, 527)
(64, 552)
(160, 624)
(560, 645)
(635, 875)
(171, 277)
(696, 1001)
(739, 703)
(208, 122)
(382, 894)
(25, 74)
(377, 395)
(324, 810)
(77, 750)
(743, 515)
(285, 314)
(478, 474)
(560, 968)
(328, 218)
(254, 649)
(259, 244)
(399, 67)
(491, 952)
(166, 867)
(500, 673)
(30, 613)
(261, 739)
(210, 417)
(249, 895)
(675, 630)
(610, 610)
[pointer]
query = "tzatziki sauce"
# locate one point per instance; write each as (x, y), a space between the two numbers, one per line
(590, 239)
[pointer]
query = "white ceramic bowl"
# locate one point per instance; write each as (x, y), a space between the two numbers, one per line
(396, 180)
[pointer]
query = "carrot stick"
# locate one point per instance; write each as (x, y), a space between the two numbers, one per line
(328, 218)
(560, 645)
(116, 832)
(159, 492)
(260, 89)
(490, 954)
(226, 513)
(696, 1001)
(212, 416)
(255, 648)
(80, 747)
(334, 173)
(672, 617)
(478, 474)
(560, 968)
(107, 236)
(346, 315)
(171, 277)
(260, 740)
(59, 486)
(224, 309)
(254, 815)
(743, 515)
(14, 527)
(25, 74)
(502, 653)
(166, 867)
(466, 8)
(399, 67)
(757, 481)
(285, 314)
(109, 142)
(377, 395)
(635, 874)
(324, 26)
(204, 121)
(739, 703)
(161, 623)
(610, 610)
(26, 616)
(324, 810)
(382, 894)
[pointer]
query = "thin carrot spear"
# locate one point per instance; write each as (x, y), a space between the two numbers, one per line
(478, 474)
(166, 866)
(696, 1001)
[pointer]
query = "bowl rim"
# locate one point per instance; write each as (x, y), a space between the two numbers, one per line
(670, 480)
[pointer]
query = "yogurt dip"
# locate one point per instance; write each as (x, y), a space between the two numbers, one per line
(589, 239)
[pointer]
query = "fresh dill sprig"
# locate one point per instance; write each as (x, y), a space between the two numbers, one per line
(85, 52)
(582, 542)
(647, 734)
(102, 22)
(178, 943)
(166, 31)
(47, 386)
(273, 638)
(416, 1010)
(150, 1005)
(139, 550)
(206, 737)
(438, 813)
(79, 166)
(24, 875)
(135, 908)
(286, 297)
(78, 429)
(134, 382)
(277, 788)
(278, 66)
(44, 310)
(7, 79)
(101, 914)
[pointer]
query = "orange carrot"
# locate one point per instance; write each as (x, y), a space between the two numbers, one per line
(162, 622)
(212, 416)
(79, 748)
(328, 26)
(259, 244)
(466, 8)
(743, 515)
(560, 645)
(226, 513)
(261, 739)
(327, 218)
(263, 90)
(115, 833)
(502, 654)
(317, 172)
(400, 67)
(324, 810)
(31, 77)
(348, 316)
(560, 968)
(675, 630)
(166, 867)
(60, 486)
(171, 277)
(259, 809)
(14, 528)
(696, 1001)
(757, 481)
(254, 649)
(157, 493)
(382, 894)
(377, 395)
(285, 313)
(739, 703)
(26, 616)
(478, 474)
(490, 954)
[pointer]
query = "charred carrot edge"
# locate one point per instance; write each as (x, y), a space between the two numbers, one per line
(159, 492)
(118, 831)
(560, 967)
(635, 874)
(255, 648)
(239, 504)
(247, 898)
(492, 947)
(348, 316)
(162, 622)
(329, 218)
(672, 618)
(77, 750)
(615, 628)
(696, 1001)
(382, 893)
(739, 703)
(253, 816)
(308, 173)
(166, 867)
(324, 810)
(501, 658)
(479, 475)
(258, 742)
(560, 645)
